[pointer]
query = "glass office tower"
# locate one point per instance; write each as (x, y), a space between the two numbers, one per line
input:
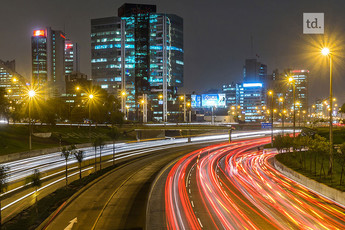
(136, 51)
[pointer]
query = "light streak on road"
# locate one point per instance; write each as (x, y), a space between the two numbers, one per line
(20, 169)
(235, 187)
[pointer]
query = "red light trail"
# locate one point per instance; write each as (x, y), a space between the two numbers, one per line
(234, 186)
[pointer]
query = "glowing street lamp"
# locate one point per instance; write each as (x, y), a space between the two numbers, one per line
(31, 95)
(184, 107)
(91, 97)
(123, 102)
(270, 92)
(326, 52)
(293, 82)
(299, 113)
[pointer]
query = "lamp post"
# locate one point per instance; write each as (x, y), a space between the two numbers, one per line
(31, 94)
(161, 98)
(123, 98)
(281, 99)
(184, 106)
(127, 108)
(299, 113)
(271, 94)
(91, 96)
(326, 52)
(144, 103)
(292, 81)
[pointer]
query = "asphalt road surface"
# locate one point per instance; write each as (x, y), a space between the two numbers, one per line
(119, 200)
(233, 186)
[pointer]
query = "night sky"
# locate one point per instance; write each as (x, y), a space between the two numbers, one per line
(216, 36)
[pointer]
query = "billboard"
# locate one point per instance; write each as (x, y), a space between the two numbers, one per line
(195, 101)
(210, 100)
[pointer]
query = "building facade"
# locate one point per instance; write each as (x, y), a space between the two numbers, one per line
(12, 83)
(48, 60)
(71, 57)
(139, 52)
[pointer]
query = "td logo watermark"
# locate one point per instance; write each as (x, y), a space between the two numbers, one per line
(313, 23)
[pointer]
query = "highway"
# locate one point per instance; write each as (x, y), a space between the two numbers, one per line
(234, 186)
(52, 166)
(119, 200)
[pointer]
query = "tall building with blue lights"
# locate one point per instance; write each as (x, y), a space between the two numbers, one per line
(254, 88)
(136, 51)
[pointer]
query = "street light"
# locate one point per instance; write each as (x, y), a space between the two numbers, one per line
(144, 103)
(189, 112)
(31, 94)
(326, 52)
(127, 108)
(299, 113)
(293, 82)
(281, 99)
(160, 96)
(184, 107)
(123, 98)
(271, 94)
(91, 96)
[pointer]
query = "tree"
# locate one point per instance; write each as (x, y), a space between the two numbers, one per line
(342, 109)
(341, 159)
(114, 135)
(278, 143)
(79, 155)
(66, 153)
(320, 146)
(3, 183)
(35, 181)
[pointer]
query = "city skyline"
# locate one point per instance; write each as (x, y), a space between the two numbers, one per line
(215, 63)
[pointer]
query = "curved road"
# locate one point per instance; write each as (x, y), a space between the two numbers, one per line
(233, 186)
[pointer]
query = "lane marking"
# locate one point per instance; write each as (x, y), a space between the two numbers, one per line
(200, 223)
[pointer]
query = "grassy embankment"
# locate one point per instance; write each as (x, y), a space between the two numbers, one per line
(316, 165)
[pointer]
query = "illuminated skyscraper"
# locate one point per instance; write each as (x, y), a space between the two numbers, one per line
(11, 81)
(48, 60)
(301, 80)
(136, 51)
(71, 57)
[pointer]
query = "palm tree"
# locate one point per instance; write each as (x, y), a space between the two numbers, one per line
(35, 181)
(3, 183)
(79, 155)
(114, 134)
(66, 153)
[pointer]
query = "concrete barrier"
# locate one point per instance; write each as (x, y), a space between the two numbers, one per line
(323, 189)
